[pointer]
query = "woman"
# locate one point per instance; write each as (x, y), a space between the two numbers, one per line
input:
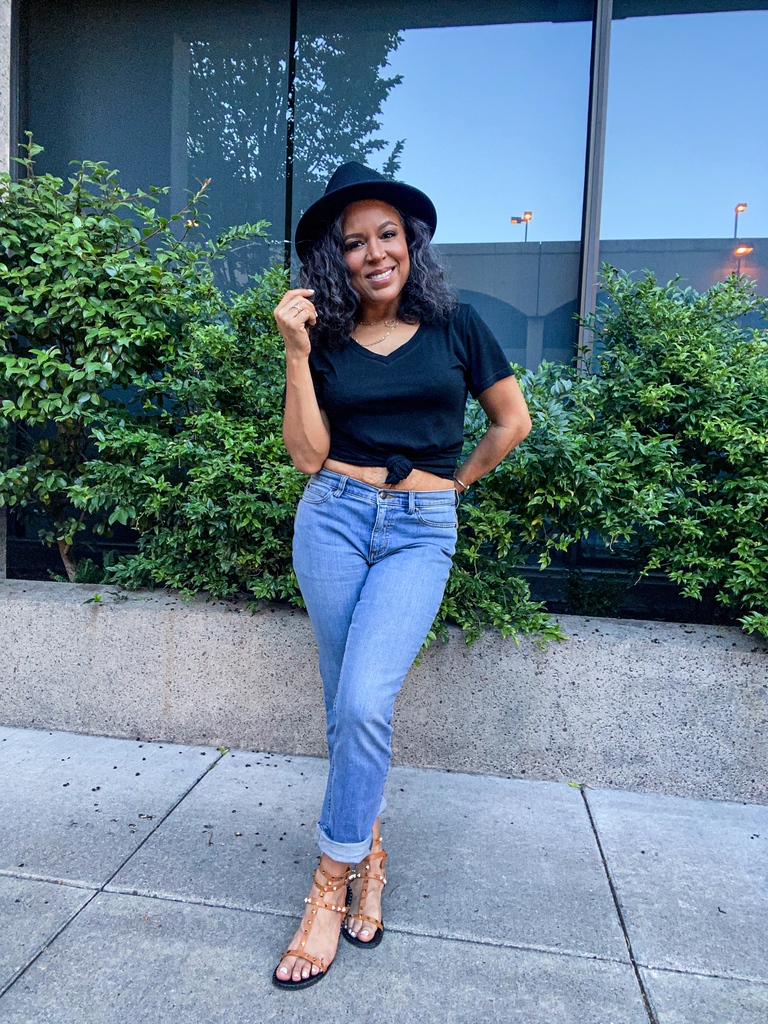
(379, 360)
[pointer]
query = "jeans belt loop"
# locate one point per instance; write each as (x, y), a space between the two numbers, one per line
(340, 486)
(411, 502)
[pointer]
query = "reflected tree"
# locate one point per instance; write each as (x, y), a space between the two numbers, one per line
(239, 110)
(341, 87)
(236, 127)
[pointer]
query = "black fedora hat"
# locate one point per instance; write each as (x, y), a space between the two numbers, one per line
(353, 181)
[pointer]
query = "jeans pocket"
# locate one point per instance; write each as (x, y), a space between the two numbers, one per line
(316, 492)
(439, 515)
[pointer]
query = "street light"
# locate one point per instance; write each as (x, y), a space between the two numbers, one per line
(742, 249)
(739, 208)
(525, 219)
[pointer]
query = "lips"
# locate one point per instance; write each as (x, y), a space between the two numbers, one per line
(381, 276)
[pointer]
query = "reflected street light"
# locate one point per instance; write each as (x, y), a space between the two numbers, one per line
(525, 219)
(742, 249)
(739, 208)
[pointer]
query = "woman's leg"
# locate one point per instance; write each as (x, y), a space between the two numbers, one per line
(398, 603)
(331, 566)
(318, 933)
(372, 574)
(330, 549)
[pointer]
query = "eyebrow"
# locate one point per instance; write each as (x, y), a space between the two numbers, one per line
(359, 234)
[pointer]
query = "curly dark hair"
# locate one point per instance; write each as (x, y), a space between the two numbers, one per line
(426, 297)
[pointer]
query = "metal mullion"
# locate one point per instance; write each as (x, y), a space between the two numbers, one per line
(593, 174)
(17, 107)
(289, 134)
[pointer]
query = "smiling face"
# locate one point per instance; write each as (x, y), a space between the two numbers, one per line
(376, 254)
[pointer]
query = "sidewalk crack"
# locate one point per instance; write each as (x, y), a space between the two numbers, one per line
(653, 1019)
(101, 888)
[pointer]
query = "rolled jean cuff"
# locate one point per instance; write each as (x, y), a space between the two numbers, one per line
(347, 853)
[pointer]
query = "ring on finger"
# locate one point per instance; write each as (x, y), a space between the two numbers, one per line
(297, 305)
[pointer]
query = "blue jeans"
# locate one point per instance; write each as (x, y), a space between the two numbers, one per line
(372, 566)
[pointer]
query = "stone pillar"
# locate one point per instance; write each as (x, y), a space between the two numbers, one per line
(534, 342)
(5, 162)
(5, 84)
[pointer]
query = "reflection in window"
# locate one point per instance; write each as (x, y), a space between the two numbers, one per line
(686, 144)
(168, 93)
(236, 126)
(341, 85)
(230, 109)
(488, 118)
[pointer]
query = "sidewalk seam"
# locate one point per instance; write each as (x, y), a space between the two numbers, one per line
(706, 974)
(100, 889)
(615, 896)
(393, 929)
(27, 876)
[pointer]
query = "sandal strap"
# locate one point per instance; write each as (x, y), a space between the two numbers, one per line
(314, 902)
(331, 882)
(366, 868)
(303, 955)
(371, 920)
(367, 875)
(377, 878)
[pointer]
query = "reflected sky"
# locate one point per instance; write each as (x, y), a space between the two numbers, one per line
(494, 119)
(687, 126)
(490, 131)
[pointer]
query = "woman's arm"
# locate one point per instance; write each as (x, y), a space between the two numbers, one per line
(506, 408)
(306, 433)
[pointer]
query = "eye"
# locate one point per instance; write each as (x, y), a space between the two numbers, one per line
(389, 234)
(352, 245)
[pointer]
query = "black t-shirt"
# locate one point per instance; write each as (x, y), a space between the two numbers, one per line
(410, 402)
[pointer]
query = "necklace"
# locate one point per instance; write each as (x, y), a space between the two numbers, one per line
(391, 324)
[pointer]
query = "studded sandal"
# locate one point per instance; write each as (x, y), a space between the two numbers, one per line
(331, 884)
(366, 874)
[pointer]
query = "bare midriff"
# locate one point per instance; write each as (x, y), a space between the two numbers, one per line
(417, 479)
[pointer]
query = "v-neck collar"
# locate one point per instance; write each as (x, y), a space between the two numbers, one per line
(390, 357)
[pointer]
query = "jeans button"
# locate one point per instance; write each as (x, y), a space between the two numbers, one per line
(383, 494)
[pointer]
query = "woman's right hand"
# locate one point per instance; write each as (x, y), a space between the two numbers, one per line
(294, 314)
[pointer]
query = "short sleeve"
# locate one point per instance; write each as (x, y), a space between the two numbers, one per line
(486, 361)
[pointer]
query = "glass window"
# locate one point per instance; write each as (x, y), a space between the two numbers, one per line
(170, 94)
(686, 144)
(483, 107)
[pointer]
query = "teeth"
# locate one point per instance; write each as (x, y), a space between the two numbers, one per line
(380, 275)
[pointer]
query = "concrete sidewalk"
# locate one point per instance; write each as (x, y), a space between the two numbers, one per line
(148, 881)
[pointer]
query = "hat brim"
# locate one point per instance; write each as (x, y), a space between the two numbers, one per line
(320, 214)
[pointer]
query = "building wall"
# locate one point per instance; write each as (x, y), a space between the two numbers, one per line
(210, 97)
(504, 133)
(5, 145)
(5, 83)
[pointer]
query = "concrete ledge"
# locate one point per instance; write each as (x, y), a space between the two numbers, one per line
(654, 706)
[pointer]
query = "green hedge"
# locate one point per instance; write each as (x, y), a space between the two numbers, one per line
(139, 394)
(97, 292)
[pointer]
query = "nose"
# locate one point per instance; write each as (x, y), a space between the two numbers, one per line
(375, 251)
